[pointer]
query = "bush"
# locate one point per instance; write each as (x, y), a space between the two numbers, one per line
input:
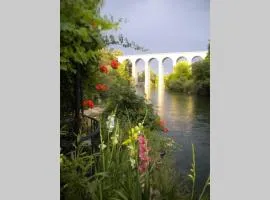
(130, 106)
(180, 80)
(201, 77)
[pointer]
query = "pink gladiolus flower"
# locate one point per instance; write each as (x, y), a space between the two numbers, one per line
(143, 154)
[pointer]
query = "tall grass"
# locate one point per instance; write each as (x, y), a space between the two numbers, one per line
(192, 175)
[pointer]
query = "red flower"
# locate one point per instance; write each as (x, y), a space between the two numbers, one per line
(114, 64)
(91, 104)
(162, 123)
(165, 130)
(88, 103)
(104, 69)
(98, 86)
(85, 103)
(101, 87)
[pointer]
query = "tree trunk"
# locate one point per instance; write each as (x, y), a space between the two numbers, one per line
(78, 102)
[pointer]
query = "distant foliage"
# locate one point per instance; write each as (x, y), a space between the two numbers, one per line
(125, 70)
(201, 75)
(153, 77)
(181, 78)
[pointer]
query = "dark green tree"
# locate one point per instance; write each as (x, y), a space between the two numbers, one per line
(201, 75)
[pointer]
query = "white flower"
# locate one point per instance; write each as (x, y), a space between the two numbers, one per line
(169, 144)
(110, 122)
(102, 146)
(132, 162)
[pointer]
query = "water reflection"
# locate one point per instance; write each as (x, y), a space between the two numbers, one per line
(147, 92)
(161, 91)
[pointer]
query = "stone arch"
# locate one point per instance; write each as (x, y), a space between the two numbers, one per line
(153, 64)
(152, 58)
(196, 59)
(167, 64)
(181, 59)
(140, 69)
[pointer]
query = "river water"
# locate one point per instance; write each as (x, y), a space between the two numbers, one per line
(188, 120)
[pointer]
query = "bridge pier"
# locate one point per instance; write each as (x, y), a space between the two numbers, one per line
(134, 72)
(146, 77)
(160, 73)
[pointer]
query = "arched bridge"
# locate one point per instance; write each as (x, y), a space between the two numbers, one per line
(176, 57)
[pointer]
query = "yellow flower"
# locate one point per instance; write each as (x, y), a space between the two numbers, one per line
(115, 139)
(127, 141)
(135, 136)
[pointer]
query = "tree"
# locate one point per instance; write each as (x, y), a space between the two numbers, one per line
(201, 75)
(81, 29)
(181, 71)
(82, 42)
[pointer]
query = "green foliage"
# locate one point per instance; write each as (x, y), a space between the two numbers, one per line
(181, 78)
(141, 77)
(83, 48)
(125, 70)
(201, 77)
(129, 105)
(153, 78)
(83, 40)
(81, 29)
(182, 70)
(74, 170)
(115, 177)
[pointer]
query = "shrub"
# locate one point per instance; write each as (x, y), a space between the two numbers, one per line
(180, 80)
(201, 77)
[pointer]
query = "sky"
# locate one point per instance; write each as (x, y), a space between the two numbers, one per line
(162, 26)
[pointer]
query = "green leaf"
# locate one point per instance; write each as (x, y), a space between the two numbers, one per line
(121, 194)
(192, 178)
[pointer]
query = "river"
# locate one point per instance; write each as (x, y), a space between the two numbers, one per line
(188, 120)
